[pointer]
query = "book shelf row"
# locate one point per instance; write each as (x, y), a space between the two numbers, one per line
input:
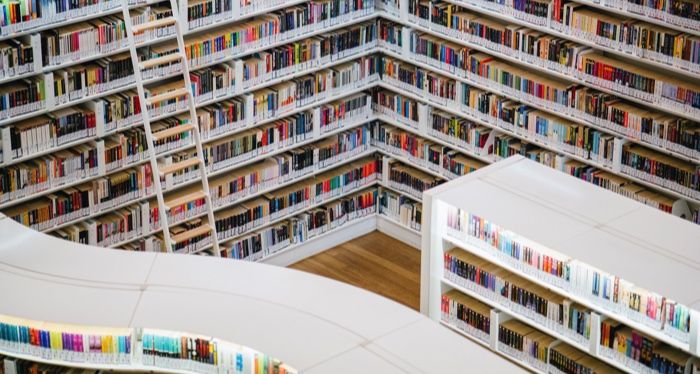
(24, 16)
(587, 105)
(20, 18)
(479, 136)
(481, 108)
(294, 230)
(236, 117)
(30, 97)
(621, 348)
(567, 25)
(46, 344)
(489, 259)
(259, 179)
(117, 113)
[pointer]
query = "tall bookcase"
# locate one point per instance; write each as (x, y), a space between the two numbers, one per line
(287, 98)
(557, 267)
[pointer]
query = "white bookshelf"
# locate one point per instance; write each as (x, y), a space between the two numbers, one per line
(380, 336)
(567, 219)
(235, 56)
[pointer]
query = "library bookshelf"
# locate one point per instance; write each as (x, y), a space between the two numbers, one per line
(553, 273)
(293, 96)
(270, 316)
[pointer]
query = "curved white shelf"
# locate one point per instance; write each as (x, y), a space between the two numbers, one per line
(273, 310)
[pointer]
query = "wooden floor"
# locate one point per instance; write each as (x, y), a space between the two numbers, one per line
(375, 262)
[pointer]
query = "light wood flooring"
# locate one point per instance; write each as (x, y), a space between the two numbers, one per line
(375, 262)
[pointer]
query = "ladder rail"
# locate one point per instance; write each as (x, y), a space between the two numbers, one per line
(180, 28)
(146, 119)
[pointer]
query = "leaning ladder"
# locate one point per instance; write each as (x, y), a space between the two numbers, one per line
(146, 117)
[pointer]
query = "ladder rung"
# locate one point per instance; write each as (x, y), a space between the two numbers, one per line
(160, 61)
(169, 169)
(153, 24)
(185, 199)
(172, 131)
(197, 231)
(167, 96)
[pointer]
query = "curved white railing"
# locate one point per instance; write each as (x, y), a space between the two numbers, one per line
(315, 325)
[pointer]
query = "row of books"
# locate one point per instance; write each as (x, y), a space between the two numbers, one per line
(578, 22)
(286, 130)
(679, 13)
(83, 40)
(583, 103)
(16, 58)
(592, 68)
(466, 314)
(272, 205)
(607, 111)
(396, 105)
(314, 52)
(638, 351)
(180, 351)
(282, 169)
(599, 143)
(577, 138)
(469, 136)
(516, 339)
(669, 172)
(258, 141)
(401, 209)
(46, 132)
(23, 96)
(412, 181)
(434, 87)
(524, 343)
(301, 228)
(333, 114)
(259, 179)
(618, 342)
(272, 28)
(538, 304)
(91, 79)
(600, 288)
(24, 15)
(125, 108)
(423, 152)
(22, 100)
(85, 199)
(114, 347)
(526, 121)
(62, 343)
